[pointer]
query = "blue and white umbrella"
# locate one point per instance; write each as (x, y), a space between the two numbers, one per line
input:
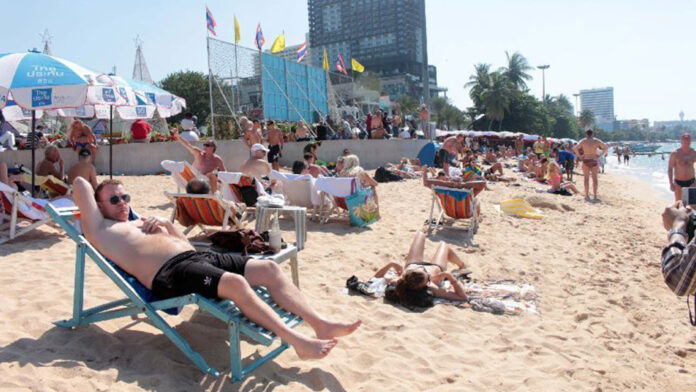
(143, 99)
(39, 81)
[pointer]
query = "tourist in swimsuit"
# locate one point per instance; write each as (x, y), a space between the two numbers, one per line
(680, 169)
(587, 151)
(417, 282)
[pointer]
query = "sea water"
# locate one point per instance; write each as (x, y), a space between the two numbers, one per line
(651, 169)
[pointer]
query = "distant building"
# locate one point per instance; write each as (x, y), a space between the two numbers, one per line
(666, 125)
(600, 101)
(624, 125)
(387, 37)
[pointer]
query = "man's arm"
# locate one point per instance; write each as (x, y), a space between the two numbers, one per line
(195, 151)
(670, 170)
(93, 177)
(219, 164)
(90, 216)
(155, 224)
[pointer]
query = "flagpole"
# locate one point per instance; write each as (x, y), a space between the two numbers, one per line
(210, 87)
(235, 102)
(263, 106)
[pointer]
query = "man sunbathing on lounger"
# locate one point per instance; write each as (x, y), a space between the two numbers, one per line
(445, 181)
(162, 259)
(418, 279)
(205, 160)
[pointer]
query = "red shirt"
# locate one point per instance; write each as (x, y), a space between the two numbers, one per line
(140, 129)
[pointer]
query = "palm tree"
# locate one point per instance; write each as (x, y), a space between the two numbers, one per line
(479, 82)
(564, 103)
(496, 99)
(438, 104)
(586, 119)
(517, 70)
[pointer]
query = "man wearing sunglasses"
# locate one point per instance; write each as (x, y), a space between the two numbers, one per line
(161, 258)
(205, 160)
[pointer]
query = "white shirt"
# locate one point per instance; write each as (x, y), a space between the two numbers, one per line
(189, 135)
(187, 124)
(405, 134)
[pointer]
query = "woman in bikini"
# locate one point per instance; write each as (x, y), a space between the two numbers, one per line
(555, 176)
(417, 282)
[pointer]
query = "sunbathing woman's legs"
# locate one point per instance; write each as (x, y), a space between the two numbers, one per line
(4, 178)
(444, 254)
(415, 252)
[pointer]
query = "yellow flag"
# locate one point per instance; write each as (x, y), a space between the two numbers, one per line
(326, 61)
(278, 44)
(357, 67)
(237, 36)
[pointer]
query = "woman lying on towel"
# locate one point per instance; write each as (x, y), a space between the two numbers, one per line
(417, 282)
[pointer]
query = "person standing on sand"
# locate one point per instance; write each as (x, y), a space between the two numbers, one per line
(680, 169)
(83, 168)
(588, 150)
(275, 145)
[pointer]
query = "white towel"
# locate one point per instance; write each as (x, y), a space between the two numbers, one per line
(336, 186)
(289, 177)
(230, 177)
(173, 167)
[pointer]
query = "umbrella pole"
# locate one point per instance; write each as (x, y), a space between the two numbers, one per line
(33, 149)
(111, 141)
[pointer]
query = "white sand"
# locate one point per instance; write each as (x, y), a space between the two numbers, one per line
(607, 321)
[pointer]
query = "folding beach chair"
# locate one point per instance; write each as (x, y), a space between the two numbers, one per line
(140, 300)
(205, 210)
(20, 214)
(182, 172)
(458, 205)
(298, 190)
(332, 196)
(240, 188)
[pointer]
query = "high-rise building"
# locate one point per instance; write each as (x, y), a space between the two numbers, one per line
(600, 101)
(386, 36)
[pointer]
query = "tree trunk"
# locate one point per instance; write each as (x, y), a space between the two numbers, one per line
(500, 125)
(490, 124)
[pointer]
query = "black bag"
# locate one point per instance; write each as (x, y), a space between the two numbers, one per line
(384, 175)
(249, 194)
(244, 241)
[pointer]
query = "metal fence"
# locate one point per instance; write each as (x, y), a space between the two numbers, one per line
(284, 91)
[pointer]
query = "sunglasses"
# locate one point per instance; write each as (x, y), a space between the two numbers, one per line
(115, 199)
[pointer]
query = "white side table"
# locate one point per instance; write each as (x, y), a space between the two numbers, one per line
(263, 214)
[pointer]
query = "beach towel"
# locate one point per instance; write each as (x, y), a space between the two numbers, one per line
(520, 208)
(336, 186)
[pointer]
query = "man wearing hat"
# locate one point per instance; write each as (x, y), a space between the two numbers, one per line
(83, 168)
(257, 166)
(205, 160)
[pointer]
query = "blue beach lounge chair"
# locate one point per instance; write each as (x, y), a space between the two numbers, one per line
(140, 300)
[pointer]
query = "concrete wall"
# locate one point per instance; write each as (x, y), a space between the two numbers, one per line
(134, 158)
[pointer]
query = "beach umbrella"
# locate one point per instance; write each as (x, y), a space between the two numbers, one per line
(37, 81)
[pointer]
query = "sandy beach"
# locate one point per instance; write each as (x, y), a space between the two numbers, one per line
(606, 320)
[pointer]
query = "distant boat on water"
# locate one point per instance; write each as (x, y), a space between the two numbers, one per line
(641, 147)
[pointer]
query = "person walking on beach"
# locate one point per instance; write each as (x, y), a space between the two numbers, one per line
(160, 256)
(617, 149)
(588, 151)
(680, 169)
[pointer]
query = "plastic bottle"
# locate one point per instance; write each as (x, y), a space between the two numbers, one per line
(274, 236)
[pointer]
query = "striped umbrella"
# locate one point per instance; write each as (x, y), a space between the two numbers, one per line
(37, 81)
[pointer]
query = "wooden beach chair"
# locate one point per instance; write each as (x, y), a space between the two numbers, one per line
(457, 205)
(140, 300)
(182, 172)
(205, 210)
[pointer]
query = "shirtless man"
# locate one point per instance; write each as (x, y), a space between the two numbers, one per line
(252, 134)
(80, 135)
(205, 160)
(314, 169)
(257, 166)
(48, 165)
(83, 168)
(302, 132)
(161, 258)
(275, 144)
(519, 145)
(588, 152)
(681, 167)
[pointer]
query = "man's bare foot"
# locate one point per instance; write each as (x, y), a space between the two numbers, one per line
(307, 348)
(334, 330)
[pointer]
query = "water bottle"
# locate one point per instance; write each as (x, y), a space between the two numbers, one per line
(274, 236)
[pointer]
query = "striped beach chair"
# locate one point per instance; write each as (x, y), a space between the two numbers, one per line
(138, 299)
(457, 205)
(182, 172)
(240, 188)
(205, 210)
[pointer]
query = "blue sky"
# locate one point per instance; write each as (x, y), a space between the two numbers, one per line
(645, 49)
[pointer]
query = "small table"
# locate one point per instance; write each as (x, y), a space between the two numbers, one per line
(263, 214)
